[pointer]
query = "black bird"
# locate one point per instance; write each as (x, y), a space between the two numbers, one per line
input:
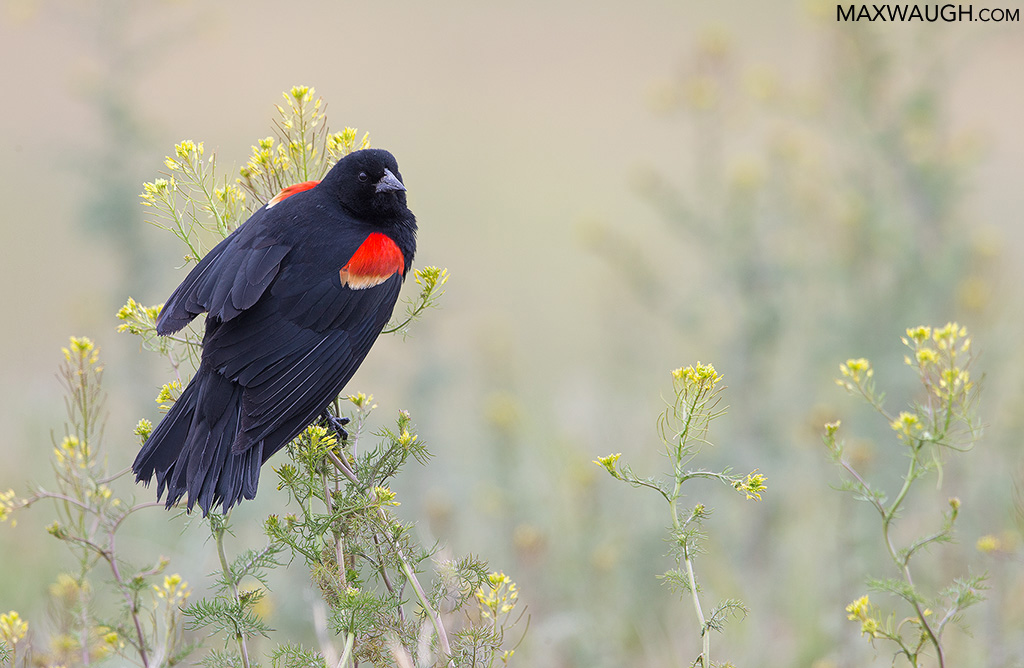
(294, 299)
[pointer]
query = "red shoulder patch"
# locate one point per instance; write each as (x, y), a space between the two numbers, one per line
(375, 261)
(291, 190)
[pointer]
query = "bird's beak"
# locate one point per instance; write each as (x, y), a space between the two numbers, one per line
(389, 182)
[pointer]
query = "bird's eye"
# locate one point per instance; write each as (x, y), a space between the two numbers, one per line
(363, 177)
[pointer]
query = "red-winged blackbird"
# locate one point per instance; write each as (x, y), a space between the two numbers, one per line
(294, 299)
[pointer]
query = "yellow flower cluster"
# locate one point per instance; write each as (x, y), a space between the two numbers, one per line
(385, 496)
(81, 349)
(67, 589)
(136, 318)
(340, 144)
(867, 614)
(702, 376)
(8, 501)
(265, 160)
(187, 150)
(231, 199)
(158, 192)
(753, 486)
(405, 439)
(907, 426)
(168, 394)
(989, 544)
(174, 590)
(72, 451)
(497, 596)
(857, 370)
(609, 462)
(12, 628)
(942, 356)
(431, 276)
(362, 401)
(143, 429)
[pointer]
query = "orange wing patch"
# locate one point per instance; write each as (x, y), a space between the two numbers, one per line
(374, 262)
(291, 190)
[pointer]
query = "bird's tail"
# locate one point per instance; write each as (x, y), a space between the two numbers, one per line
(190, 450)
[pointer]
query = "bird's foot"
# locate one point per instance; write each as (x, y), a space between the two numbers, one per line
(337, 424)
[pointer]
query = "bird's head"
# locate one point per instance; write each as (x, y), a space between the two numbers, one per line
(368, 183)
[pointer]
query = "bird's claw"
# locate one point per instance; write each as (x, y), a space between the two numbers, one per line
(338, 424)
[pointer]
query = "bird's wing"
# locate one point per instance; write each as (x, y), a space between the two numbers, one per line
(295, 349)
(230, 279)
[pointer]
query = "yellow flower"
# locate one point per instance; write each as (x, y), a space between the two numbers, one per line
(856, 369)
(908, 426)
(753, 486)
(498, 596)
(920, 334)
(926, 356)
(362, 401)
(989, 544)
(143, 429)
(385, 496)
(301, 92)
(187, 149)
(703, 376)
(609, 462)
(168, 394)
(12, 627)
(405, 439)
(174, 589)
(862, 610)
(858, 608)
(8, 502)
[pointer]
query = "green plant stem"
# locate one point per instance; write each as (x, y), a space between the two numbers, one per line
(705, 636)
(133, 604)
(385, 577)
(345, 469)
(435, 616)
(339, 536)
(421, 596)
(350, 639)
(200, 180)
(410, 575)
(230, 577)
(903, 563)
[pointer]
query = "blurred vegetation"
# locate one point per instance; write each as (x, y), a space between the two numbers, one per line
(816, 220)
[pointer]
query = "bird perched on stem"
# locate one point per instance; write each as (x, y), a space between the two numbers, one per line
(294, 299)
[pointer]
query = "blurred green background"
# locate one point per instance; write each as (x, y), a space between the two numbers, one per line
(617, 189)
